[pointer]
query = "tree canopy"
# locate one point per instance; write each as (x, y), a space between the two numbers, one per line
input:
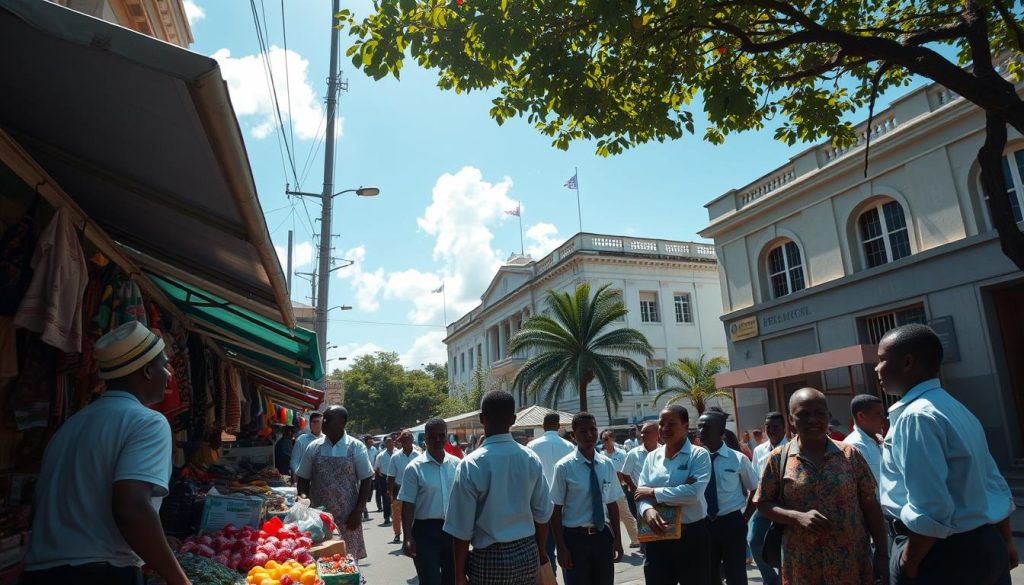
(381, 395)
(626, 73)
(694, 381)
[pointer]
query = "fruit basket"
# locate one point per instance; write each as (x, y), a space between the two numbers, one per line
(338, 570)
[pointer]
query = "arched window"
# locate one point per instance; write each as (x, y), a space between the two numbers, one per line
(1013, 171)
(785, 269)
(883, 232)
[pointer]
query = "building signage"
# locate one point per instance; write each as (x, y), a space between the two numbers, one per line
(743, 329)
(769, 321)
(943, 327)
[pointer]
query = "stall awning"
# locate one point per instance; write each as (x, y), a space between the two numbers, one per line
(143, 137)
(242, 332)
(299, 397)
(759, 376)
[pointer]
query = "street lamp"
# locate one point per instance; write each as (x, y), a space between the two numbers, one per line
(342, 307)
(361, 192)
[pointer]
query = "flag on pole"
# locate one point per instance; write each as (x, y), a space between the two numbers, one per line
(514, 212)
(438, 289)
(571, 183)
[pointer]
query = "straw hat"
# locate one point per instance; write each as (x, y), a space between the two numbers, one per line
(126, 349)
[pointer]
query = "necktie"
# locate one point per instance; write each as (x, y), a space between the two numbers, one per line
(711, 492)
(596, 499)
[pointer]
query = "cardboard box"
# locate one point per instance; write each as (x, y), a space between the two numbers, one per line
(329, 548)
(219, 511)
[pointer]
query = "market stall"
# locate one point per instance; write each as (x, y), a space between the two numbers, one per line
(134, 201)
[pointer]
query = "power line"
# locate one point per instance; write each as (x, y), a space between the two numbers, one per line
(272, 86)
(287, 77)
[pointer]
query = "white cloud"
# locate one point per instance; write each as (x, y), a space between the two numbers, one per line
(193, 12)
(350, 351)
(302, 255)
(543, 238)
(427, 349)
(366, 286)
(250, 95)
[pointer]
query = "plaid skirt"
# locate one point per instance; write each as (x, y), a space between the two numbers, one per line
(505, 563)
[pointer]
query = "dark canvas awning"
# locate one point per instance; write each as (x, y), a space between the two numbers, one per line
(142, 135)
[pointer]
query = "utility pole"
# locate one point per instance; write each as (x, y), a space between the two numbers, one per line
(290, 237)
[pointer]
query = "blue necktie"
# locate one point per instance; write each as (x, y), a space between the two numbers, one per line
(711, 492)
(596, 499)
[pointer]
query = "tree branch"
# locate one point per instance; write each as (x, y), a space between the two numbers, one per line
(994, 184)
(942, 33)
(871, 109)
(1011, 23)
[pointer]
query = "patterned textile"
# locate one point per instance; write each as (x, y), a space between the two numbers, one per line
(334, 486)
(839, 490)
(505, 563)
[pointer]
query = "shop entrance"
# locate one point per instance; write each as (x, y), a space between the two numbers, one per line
(1009, 303)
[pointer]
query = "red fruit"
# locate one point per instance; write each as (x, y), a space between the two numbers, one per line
(283, 555)
(299, 552)
(229, 529)
(460, 2)
(306, 542)
(204, 539)
(720, 50)
(204, 550)
(336, 558)
(286, 580)
(187, 547)
(264, 534)
(260, 559)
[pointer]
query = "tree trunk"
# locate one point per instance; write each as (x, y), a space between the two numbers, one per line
(990, 158)
(583, 393)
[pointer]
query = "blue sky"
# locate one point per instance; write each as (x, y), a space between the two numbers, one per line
(446, 172)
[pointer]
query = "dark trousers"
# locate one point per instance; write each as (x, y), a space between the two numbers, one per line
(382, 493)
(978, 557)
(378, 493)
(435, 558)
(729, 548)
(551, 548)
(680, 562)
(91, 574)
(630, 502)
(592, 557)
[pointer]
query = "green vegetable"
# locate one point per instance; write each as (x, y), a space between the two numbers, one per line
(202, 571)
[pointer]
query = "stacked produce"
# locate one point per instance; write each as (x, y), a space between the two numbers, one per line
(287, 573)
(202, 571)
(337, 570)
(245, 548)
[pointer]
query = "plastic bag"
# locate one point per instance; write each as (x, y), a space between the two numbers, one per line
(307, 519)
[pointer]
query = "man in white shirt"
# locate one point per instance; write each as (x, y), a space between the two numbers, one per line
(500, 503)
(634, 462)
(584, 493)
(632, 442)
(727, 496)
(947, 505)
(775, 430)
(371, 453)
(104, 474)
(550, 449)
(396, 470)
(380, 477)
(618, 458)
(426, 487)
(316, 423)
(868, 418)
(335, 472)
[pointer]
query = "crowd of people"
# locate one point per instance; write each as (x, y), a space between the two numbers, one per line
(926, 504)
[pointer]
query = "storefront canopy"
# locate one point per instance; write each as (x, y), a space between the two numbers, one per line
(244, 334)
(759, 376)
(533, 417)
(142, 135)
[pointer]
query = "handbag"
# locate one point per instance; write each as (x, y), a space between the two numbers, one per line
(771, 553)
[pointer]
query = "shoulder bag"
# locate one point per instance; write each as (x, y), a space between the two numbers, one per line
(772, 551)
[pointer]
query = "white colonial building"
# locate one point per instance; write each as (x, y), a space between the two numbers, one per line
(670, 289)
(818, 261)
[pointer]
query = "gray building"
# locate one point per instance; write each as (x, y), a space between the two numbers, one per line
(818, 261)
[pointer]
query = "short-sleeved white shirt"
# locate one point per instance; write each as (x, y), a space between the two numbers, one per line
(113, 439)
(571, 488)
(380, 464)
(428, 483)
(398, 463)
(324, 447)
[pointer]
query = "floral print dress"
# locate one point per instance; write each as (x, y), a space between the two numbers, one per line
(839, 489)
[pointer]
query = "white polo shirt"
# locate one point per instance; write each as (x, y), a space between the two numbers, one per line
(550, 448)
(571, 488)
(398, 463)
(113, 439)
(427, 483)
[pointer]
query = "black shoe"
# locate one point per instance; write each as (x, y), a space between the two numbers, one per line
(386, 523)
(397, 540)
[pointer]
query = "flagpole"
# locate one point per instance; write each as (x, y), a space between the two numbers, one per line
(579, 213)
(444, 304)
(519, 208)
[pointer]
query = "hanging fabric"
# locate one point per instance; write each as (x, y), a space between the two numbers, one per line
(52, 305)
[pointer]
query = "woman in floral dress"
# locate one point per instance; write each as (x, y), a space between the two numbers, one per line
(828, 504)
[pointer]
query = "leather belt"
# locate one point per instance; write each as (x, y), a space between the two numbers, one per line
(588, 530)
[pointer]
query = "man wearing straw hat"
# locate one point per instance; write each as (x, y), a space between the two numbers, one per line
(104, 473)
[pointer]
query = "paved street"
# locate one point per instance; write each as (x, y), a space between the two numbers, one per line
(385, 564)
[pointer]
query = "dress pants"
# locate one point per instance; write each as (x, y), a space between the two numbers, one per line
(729, 548)
(384, 501)
(684, 561)
(435, 559)
(755, 536)
(396, 514)
(378, 493)
(978, 557)
(551, 548)
(592, 555)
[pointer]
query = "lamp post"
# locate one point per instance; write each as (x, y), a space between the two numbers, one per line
(324, 266)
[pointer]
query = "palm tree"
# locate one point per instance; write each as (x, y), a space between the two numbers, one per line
(696, 381)
(577, 344)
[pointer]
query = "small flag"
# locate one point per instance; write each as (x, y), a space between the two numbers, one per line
(571, 183)
(514, 212)
(438, 289)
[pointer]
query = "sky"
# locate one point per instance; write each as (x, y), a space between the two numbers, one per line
(447, 174)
